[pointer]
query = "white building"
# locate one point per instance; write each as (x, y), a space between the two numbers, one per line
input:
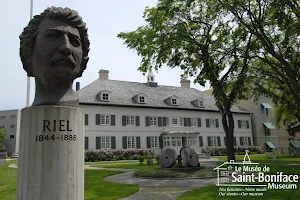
(10, 121)
(121, 114)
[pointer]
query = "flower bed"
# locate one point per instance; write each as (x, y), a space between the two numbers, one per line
(115, 154)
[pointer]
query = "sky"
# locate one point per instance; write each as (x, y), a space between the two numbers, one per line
(104, 19)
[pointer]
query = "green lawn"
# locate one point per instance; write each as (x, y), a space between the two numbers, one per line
(281, 164)
(95, 187)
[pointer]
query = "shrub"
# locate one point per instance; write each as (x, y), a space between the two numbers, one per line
(157, 157)
(221, 151)
(116, 154)
(141, 159)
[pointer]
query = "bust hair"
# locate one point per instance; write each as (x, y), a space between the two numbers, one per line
(66, 15)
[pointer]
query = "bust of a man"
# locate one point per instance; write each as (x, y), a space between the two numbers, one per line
(54, 50)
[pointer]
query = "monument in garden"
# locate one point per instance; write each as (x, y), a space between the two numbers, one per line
(54, 50)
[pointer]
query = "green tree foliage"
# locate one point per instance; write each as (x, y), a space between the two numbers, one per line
(3, 134)
(205, 43)
(276, 26)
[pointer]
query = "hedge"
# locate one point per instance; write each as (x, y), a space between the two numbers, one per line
(115, 154)
(221, 151)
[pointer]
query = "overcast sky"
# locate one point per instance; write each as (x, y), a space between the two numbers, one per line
(105, 19)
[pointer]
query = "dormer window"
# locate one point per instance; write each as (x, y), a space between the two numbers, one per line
(142, 99)
(174, 102)
(104, 97)
(201, 103)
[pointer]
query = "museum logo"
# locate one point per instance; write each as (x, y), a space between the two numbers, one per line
(247, 178)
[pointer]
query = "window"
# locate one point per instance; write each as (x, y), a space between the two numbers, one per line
(167, 121)
(153, 121)
(167, 142)
(194, 122)
(245, 141)
(104, 97)
(130, 142)
(201, 103)
(13, 116)
(213, 141)
(267, 131)
(105, 142)
(130, 120)
(86, 119)
(174, 121)
(11, 137)
(12, 126)
(173, 101)
(243, 124)
(181, 121)
(1, 126)
(142, 99)
(265, 111)
(105, 119)
(154, 142)
(2, 117)
(212, 123)
(192, 141)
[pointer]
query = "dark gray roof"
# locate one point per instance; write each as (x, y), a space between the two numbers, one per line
(122, 93)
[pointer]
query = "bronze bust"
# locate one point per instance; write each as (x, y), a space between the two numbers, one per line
(54, 49)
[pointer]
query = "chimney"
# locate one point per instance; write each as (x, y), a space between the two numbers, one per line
(103, 74)
(77, 86)
(185, 83)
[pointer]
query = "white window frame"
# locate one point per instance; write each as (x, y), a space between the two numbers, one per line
(193, 140)
(142, 99)
(194, 122)
(153, 121)
(105, 120)
(104, 96)
(245, 141)
(131, 142)
(243, 124)
(201, 103)
(212, 123)
(213, 141)
(130, 120)
(173, 119)
(167, 141)
(105, 142)
(174, 102)
(154, 142)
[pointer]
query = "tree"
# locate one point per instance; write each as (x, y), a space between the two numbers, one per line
(275, 24)
(200, 39)
(3, 134)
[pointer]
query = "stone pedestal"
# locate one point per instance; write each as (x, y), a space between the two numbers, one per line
(51, 155)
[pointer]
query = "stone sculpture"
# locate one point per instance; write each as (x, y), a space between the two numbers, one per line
(189, 157)
(168, 158)
(54, 49)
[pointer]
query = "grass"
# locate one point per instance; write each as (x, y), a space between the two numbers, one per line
(8, 181)
(127, 166)
(95, 187)
(281, 164)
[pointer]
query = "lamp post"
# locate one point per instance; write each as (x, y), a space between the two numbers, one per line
(28, 78)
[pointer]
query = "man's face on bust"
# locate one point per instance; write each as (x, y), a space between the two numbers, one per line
(57, 53)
